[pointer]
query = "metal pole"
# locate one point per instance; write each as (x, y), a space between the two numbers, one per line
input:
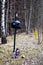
(16, 17)
(14, 39)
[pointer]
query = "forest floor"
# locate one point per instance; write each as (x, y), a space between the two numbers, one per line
(29, 48)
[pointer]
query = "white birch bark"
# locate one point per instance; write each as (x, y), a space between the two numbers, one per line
(3, 19)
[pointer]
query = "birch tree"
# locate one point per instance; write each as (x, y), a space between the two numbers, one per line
(0, 15)
(3, 23)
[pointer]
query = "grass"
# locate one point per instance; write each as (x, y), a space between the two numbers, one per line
(29, 53)
(6, 51)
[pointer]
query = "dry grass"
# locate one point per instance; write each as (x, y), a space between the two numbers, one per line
(25, 44)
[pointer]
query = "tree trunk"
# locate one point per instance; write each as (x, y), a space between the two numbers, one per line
(3, 23)
(7, 13)
(26, 15)
(30, 16)
(42, 30)
(38, 36)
